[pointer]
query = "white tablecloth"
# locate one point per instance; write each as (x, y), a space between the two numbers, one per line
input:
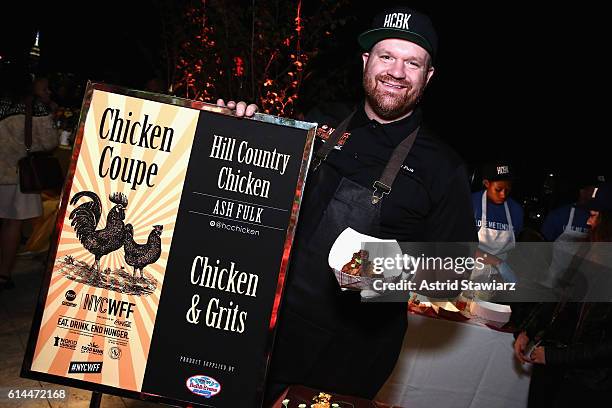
(446, 364)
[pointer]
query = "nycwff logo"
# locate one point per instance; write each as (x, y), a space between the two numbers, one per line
(79, 367)
(111, 306)
(397, 20)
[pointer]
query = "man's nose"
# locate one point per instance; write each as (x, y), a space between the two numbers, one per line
(396, 70)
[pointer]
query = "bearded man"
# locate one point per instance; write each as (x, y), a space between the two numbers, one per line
(380, 173)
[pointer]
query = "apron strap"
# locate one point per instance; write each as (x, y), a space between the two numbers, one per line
(483, 212)
(393, 166)
(508, 218)
(570, 221)
(332, 141)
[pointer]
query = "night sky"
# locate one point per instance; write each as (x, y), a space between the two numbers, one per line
(507, 80)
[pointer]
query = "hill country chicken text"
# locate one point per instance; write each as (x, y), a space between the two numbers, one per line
(121, 129)
(230, 179)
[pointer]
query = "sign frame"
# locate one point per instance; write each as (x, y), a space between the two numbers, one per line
(26, 370)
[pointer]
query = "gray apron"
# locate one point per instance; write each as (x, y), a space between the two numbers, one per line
(327, 338)
(564, 249)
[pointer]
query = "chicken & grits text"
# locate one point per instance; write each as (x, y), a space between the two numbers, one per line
(214, 276)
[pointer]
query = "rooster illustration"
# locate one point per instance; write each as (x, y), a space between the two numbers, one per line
(141, 255)
(85, 219)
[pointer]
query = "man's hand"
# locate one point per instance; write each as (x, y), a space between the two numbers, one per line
(519, 347)
(538, 356)
(241, 108)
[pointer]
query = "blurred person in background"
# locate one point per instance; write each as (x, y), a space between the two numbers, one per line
(566, 226)
(15, 206)
(42, 92)
(570, 221)
(573, 354)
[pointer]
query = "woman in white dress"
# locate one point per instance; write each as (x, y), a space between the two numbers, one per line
(15, 206)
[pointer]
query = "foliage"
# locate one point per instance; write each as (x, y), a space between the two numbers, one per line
(260, 51)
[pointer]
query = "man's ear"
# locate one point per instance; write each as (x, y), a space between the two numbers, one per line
(365, 56)
(486, 183)
(430, 73)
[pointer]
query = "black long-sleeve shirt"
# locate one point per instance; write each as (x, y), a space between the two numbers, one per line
(430, 198)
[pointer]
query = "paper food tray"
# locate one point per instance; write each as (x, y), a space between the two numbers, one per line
(360, 282)
(494, 312)
(351, 241)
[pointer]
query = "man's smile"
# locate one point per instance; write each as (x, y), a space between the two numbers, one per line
(392, 85)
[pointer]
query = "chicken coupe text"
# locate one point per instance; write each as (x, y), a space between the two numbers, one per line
(123, 130)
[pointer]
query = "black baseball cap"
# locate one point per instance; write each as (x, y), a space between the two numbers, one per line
(403, 23)
(496, 171)
(588, 180)
(602, 198)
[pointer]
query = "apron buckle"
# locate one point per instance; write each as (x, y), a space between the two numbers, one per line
(385, 189)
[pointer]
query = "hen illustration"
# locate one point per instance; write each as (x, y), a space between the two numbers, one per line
(85, 219)
(140, 255)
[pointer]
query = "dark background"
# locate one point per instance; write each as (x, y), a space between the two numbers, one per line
(510, 79)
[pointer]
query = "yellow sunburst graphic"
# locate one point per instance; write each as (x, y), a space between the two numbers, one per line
(107, 166)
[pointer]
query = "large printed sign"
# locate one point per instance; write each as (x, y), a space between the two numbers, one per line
(173, 239)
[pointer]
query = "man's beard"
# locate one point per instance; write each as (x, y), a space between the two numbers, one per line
(386, 105)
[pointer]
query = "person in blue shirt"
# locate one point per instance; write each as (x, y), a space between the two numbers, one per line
(571, 219)
(566, 227)
(498, 217)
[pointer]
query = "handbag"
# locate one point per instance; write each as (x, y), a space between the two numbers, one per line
(38, 171)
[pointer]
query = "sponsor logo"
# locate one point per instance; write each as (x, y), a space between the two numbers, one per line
(92, 348)
(203, 386)
(83, 367)
(123, 323)
(70, 295)
(114, 353)
(64, 343)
